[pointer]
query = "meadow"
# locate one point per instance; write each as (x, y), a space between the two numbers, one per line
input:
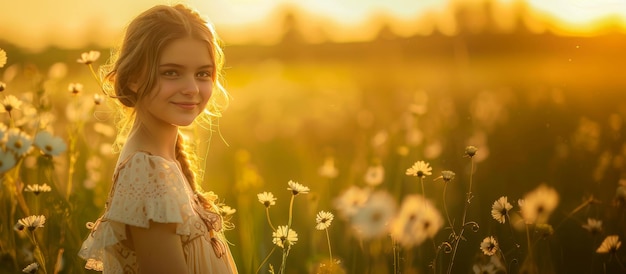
(409, 142)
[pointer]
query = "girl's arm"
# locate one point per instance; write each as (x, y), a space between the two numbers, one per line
(158, 248)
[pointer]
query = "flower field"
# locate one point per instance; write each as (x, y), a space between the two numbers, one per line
(470, 154)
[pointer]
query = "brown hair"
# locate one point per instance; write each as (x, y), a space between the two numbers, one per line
(132, 75)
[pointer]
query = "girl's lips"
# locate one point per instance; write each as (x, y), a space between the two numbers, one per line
(186, 105)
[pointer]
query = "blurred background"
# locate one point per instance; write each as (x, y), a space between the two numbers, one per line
(536, 85)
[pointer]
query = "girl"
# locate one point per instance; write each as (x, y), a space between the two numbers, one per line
(155, 221)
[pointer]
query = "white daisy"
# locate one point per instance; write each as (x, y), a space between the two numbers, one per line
(374, 175)
(371, 220)
(323, 220)
(18, 141)
(281, 236)
(500, 209)
(348, 203)
(539, 204)
(593, 226)
(10, 103)
(36, 189)
(417, 221)
(30, 222)
(489, 246)
(227, 210)
(3, 58)
(49, 144)
(297, 188)
(267, 199)
(31, 268)
(610, 244)
(88, 57)
(420, 169)
(75, 88)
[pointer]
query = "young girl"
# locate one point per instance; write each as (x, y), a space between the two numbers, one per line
(155, 220)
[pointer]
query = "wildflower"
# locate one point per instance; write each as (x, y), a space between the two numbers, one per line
(610, 244)
(281, 236)
(10, 103)
(31, 268)
(371, 220)
(227, 210)
(593, 226)
(3, 58)
(7, 160)
(36, 189)
(88, 57)
(3, 86)
(374, 175)
(539, 204)
(489, 246)
(75, 88)
(266, 198)
(18, 142)
(30, 222)
(323, 220)
(420, 169)
(470, 151)
(447, 175)
(351, 200)
(297, 188)
(500, 209)
(417, 221)
(97, 99)
(49, 145)
(328, 169)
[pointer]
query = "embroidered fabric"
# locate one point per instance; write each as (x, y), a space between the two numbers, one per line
(151, 188)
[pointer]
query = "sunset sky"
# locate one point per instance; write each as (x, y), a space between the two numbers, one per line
(35, 24)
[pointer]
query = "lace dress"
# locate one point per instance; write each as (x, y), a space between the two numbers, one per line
(148, 187)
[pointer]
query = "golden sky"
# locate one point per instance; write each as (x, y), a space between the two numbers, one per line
(36, 24)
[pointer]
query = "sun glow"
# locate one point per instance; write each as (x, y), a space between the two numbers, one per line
(257, 21)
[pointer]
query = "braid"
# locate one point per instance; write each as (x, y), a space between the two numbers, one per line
(188, 171)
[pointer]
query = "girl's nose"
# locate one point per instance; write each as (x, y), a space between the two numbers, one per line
(191, 86)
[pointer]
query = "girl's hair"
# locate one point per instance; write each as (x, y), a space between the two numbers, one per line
(132, 72)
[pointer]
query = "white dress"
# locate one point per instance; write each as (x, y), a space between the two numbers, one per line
(151, 188)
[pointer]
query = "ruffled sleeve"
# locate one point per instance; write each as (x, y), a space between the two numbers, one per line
(148, 188)
(145, 188)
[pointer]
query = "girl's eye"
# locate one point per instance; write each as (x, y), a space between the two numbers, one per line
(170, 73)
(204, 74)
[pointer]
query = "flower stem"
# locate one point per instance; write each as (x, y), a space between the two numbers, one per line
(285, 245)
(445, 207)
(40, 257)
(330, 252)
(283, 263)
(267, 214)
(290, 213)
(422, 183)
(458, 238)
(265, 260)
(530, 248)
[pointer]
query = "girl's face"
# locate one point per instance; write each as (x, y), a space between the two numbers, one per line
(184, 84)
